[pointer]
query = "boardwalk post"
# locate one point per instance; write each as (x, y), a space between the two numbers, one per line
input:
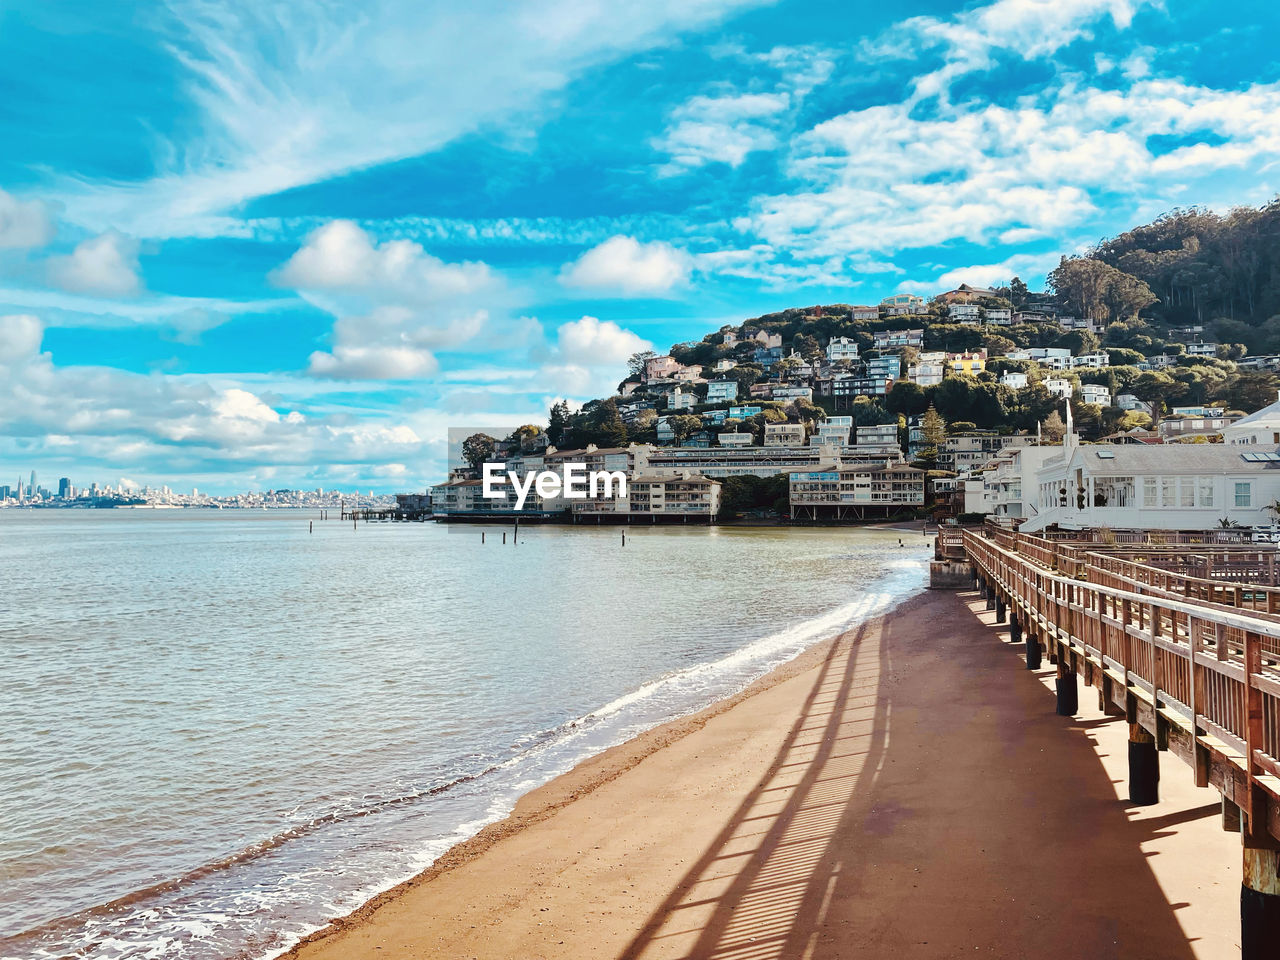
(1015, 630)
(990, 596)
(1259, 902)
(1000, 609)
(1033, 651)
(1068, 693)
(1144, 767)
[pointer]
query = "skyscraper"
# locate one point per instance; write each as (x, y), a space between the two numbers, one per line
(64, 488)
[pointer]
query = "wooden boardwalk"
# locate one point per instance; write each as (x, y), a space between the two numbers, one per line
(1192, 662)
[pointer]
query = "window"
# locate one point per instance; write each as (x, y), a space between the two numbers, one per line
(1168, 491)
(1188, 492)
(1149, 492)
(1244, 494)
(1206, 491)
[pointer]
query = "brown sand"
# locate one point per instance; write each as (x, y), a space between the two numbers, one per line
(905, 791)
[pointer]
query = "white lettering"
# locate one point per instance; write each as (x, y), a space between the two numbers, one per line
(492, 475)
(521, 492)
(548, 485)
(574, 475)
(608, 479)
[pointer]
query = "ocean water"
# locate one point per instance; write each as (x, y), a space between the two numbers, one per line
(218, 731)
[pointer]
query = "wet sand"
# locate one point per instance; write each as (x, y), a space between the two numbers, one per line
(904, 791)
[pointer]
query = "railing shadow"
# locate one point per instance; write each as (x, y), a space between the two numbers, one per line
(926, 800)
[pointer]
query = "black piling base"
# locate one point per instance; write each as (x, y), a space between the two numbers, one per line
(1000, 610)
(1033, 652)
(1144, 773)
(1015, 630)
(1259, 924)
(1068, 695)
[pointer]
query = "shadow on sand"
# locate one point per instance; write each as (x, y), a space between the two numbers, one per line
(927, 801)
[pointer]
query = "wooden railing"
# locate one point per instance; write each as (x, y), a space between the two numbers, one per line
(1202, 677)
(1239, 586)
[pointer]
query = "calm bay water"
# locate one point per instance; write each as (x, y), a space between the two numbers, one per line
(217, 731)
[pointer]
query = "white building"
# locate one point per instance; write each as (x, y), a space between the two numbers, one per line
(1092, 361)
(1055, 358)
(1095, 393)
(1261, 428)
(999, 316)
(783, 434)
(735, 439)
(965, 312)
(679, 400)
(1009, 480)
(1154, 486)
(1013, 378)
(1058, 386)
(929, 369)
(888, 339)
(1202, 349)
(842, 348)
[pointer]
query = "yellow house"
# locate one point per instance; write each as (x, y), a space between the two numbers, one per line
(967, 363)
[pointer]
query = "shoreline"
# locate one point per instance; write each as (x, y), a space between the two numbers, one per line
(584, 778)
(787, 820)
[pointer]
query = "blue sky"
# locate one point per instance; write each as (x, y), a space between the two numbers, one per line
(246, 245)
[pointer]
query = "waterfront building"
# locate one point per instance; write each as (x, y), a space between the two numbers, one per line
(1155, 486)
(683, 496)
(963, 452)
(845, 491)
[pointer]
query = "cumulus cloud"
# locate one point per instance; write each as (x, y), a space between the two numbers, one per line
(394, 302)
(625, 265)
(105, 265)
(171, 425)
(593, 343)
(23, 223)
(721, 129)
(340, 256)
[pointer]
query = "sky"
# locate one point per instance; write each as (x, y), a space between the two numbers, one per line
(250, 245)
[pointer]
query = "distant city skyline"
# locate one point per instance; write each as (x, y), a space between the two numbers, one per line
(216, 271)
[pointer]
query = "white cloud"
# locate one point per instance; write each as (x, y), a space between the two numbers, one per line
(372, 363)
(340, 256)
(23, 223)
(394, 302)
(290, 96)
(991, 274)
(105, 265)
(20, 336)
(721, 130)
(168, 426)
(625, 265)
(591, 342)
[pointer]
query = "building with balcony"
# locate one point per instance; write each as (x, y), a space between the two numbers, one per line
(722, 391)
(856, 491)
(842, 348)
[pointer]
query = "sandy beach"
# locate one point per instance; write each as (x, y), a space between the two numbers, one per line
(903, 791)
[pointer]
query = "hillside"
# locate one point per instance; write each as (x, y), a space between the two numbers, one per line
(1174, 305)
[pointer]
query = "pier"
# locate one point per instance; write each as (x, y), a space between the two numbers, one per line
(1180, 634)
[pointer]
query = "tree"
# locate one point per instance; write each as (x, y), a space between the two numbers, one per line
(557, 423)
(1017, 292)
(477, 449)
(637, 361)
(684, 425)
(907, 398)
(1155, 387)
(1096, 289)
(607, 428)
(933, 429)
(1053, 427)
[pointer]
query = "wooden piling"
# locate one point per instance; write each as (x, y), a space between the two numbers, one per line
(1068, 693)
(1144, 767)
(1260, 902)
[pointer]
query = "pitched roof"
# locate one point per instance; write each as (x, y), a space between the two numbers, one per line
(1268, 412)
